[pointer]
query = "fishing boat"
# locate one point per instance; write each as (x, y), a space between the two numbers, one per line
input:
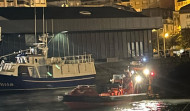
(34, 70)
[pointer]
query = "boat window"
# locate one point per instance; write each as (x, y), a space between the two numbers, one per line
(36, 60)
(23, 71)
(45, 71)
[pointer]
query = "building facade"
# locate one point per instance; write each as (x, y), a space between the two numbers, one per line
(181, 3)
(167, 18)
(184, 14)
(23, 3)
(139, 5)
(176, 20)
(113, 33)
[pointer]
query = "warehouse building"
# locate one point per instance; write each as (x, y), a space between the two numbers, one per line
(104, 32)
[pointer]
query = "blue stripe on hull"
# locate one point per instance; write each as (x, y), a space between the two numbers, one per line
(14, 83)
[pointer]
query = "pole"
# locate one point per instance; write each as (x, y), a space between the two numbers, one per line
(68, 45)
(43, 20)
(164, 47)
(158, 44)
(35, 24)
(149, 86)
(73, 50)
(46, 26)
(53, 35)
(64, 36)
(52, 26)
(58, 45)
(5, 3)
(15, 3)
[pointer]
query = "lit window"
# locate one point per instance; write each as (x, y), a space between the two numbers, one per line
(188, 16)
(144, 2)
(85, 12)
(151, 1)
(42, 1)
(37, 1)
(137, 3)
(71, 4)
(188, 23)
(138, 10)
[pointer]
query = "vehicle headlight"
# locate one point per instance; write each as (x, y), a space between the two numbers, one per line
(146, 71)
(132, 71)
(138, 78)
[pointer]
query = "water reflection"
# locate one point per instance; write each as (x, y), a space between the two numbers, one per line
(145, 105)
(48, 101)
(157, 105)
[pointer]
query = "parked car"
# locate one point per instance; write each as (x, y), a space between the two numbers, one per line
(167, 53)
(155, 55)
(185, 53)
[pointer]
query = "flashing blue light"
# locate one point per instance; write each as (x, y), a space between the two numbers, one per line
(144, 59)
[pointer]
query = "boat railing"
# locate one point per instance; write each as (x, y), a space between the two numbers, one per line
(78, 59)
(7, 66)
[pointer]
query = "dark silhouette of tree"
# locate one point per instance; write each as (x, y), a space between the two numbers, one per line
(173, 41)
(185, 38)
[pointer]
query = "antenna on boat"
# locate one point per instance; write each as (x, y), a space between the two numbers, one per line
(43, 20)
(68, 45)
(52, 27)
(35, 24)
(52, 34)
(63, 47)
(0, 34)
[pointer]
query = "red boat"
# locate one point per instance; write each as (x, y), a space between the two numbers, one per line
(84, 97)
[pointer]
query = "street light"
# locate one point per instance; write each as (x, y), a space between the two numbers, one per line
(165, 36)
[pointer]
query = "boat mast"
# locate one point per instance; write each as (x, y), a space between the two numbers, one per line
(44, 39)
(35, 24)
(43, 20)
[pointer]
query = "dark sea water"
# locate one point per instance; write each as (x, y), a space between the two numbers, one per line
(47, 100)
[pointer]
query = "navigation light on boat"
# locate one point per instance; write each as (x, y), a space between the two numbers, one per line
(57, 66)
(138, 79)
(49, 73)
(152, 74)
(146, 72)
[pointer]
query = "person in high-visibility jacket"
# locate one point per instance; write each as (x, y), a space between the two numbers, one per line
(128, 84)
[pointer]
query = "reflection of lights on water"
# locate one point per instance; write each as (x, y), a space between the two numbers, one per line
(156, 105)
(143, 106)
